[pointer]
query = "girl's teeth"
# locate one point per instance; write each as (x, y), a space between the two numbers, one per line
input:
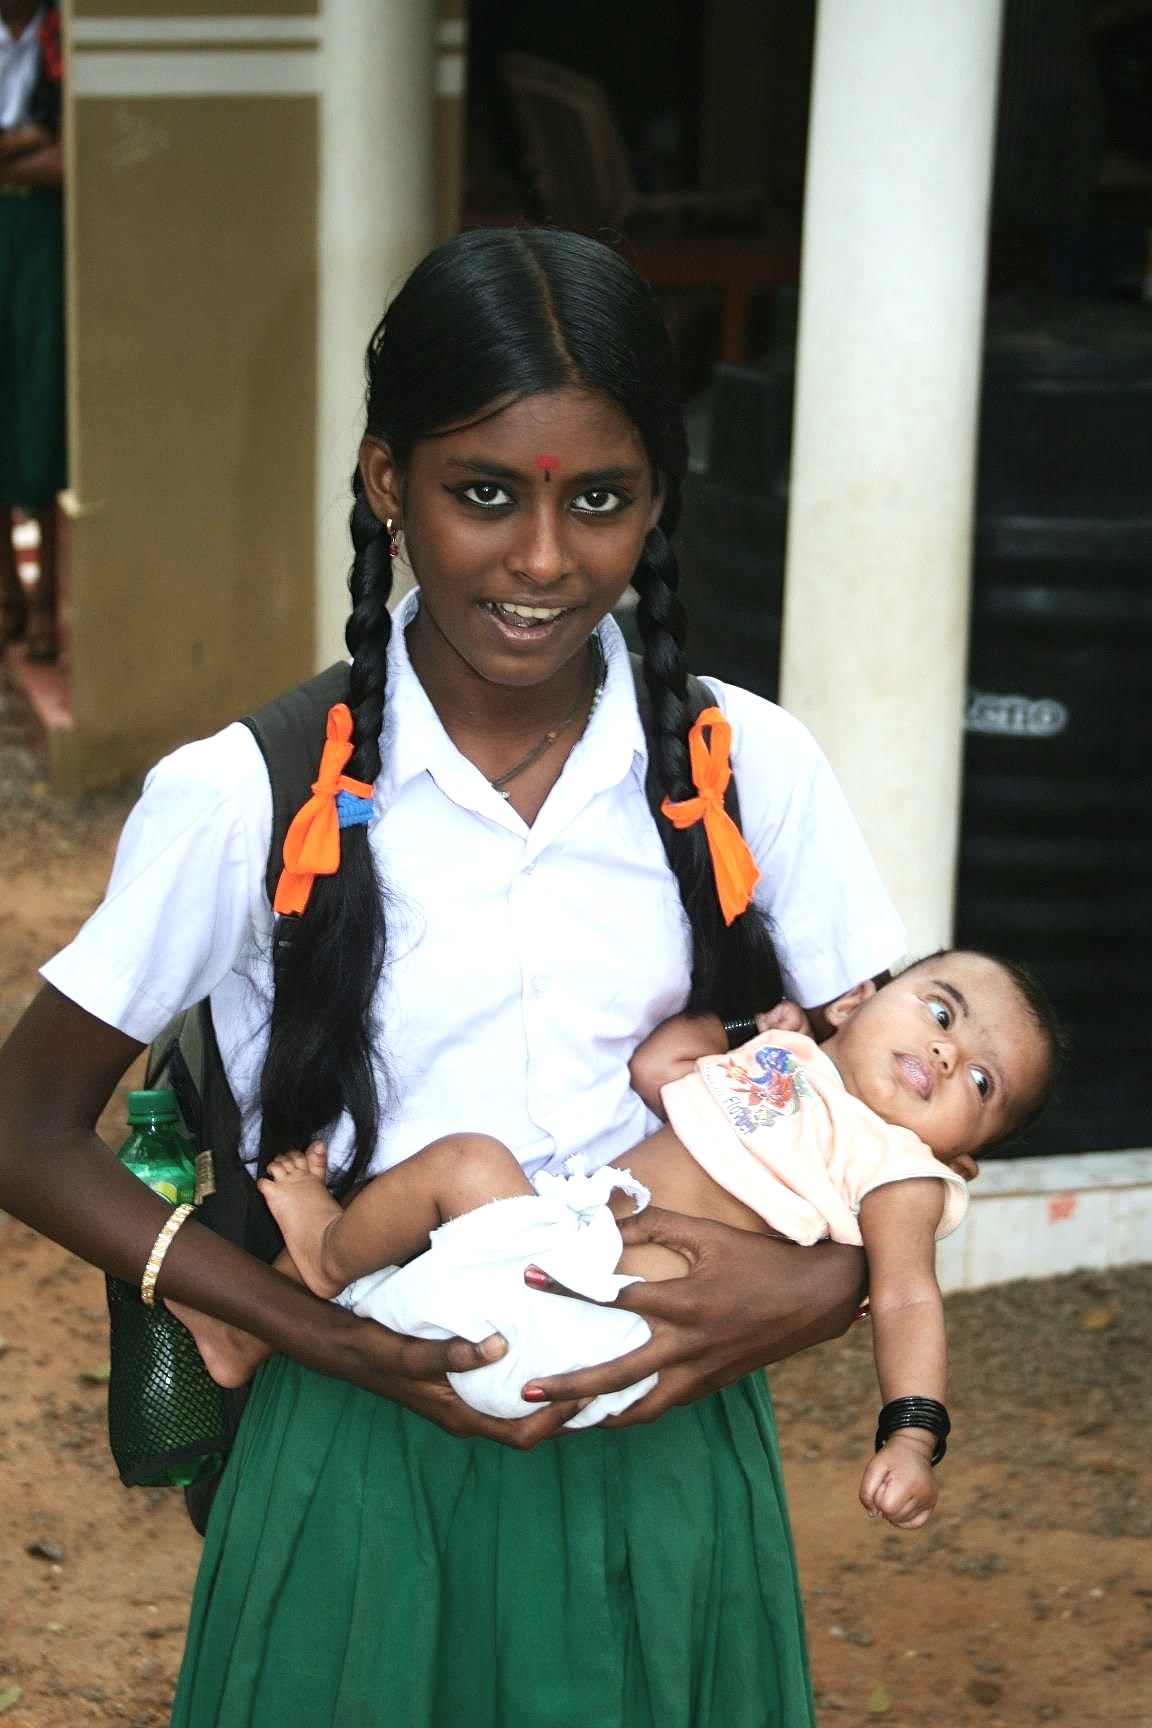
(538, 614)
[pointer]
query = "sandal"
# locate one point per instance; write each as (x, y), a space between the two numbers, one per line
(42, 643)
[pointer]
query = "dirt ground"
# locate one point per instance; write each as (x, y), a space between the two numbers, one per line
(1028, 1599)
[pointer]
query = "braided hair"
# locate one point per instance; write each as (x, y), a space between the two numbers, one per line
(488, 318)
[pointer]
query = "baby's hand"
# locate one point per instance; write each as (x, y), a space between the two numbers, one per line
(899, 1485)
(785, 1017)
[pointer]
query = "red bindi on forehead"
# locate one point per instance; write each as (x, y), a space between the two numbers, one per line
(547, 465)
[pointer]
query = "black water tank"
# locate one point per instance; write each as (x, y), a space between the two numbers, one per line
(1056, 825)
(1055, 864)
(731, 538)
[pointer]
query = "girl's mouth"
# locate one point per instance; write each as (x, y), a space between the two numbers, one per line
(521, 617)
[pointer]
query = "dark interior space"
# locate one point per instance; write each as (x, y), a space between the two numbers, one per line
(1055, 866)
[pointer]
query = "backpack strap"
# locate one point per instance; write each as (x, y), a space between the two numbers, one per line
(290, 733)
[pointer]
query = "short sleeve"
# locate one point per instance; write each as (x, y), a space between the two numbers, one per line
(831, 920)
(186, 902)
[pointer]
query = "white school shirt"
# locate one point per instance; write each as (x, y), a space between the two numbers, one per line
(525, 963)
(19, 70)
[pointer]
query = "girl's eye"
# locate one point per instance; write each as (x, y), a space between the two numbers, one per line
(599, 501)
(981, 1081)
(940, 1012)
(487, 494)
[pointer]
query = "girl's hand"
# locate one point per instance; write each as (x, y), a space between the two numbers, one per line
(748, 1300)
(899, 1484)
(410, 1371)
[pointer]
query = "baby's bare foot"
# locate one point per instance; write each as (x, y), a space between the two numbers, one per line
(230, 1355)
(304, 1209)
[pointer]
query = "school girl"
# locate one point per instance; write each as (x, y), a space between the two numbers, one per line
(506, 921)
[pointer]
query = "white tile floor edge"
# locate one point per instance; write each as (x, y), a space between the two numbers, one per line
(1036, 1217)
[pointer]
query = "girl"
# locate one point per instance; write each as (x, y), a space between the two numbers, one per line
(501, 931)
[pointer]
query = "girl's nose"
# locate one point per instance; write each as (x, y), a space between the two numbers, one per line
(540, 553)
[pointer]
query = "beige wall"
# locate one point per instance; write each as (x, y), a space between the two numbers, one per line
(192, 193)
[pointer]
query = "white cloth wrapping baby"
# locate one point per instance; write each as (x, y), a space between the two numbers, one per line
(470, 1283)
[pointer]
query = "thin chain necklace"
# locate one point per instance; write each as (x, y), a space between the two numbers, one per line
(594, 687)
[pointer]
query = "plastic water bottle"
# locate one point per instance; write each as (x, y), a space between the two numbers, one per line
(166, 1418)
(157, 1150)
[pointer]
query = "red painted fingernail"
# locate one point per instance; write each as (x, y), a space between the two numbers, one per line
(533, 1395)
(538, 1280)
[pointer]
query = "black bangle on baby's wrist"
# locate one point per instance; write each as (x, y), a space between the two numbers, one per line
(738, 1032)
(926, 1413)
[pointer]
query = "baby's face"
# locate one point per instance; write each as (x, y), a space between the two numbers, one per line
(947, 1049)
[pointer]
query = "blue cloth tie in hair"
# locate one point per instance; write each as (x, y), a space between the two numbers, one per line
(353, 811)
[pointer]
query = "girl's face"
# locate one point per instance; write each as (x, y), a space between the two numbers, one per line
(523, 531)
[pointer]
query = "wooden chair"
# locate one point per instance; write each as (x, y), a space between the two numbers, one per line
(579, 170)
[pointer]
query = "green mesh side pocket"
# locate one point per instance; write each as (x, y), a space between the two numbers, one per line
(167, 1420)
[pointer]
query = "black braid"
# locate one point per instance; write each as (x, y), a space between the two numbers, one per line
(734, 967)
(367, 632)
(320, 1063)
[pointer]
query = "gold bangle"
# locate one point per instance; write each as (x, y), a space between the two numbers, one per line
(159, 1248)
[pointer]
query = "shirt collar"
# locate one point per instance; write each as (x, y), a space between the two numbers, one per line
(413, 740)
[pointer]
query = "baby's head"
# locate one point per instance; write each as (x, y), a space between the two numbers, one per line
(961, 1048)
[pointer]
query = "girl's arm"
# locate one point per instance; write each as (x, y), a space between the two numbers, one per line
(30, 156)
(746, 1301)
(898, 1223)
(57, 1072)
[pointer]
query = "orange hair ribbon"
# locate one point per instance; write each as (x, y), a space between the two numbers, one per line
(312, 843)
(733, 865)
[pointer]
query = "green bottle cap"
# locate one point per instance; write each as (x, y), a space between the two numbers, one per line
(157, 1106)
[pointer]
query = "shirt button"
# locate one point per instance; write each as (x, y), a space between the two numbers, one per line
(528, 869)
(539, 984)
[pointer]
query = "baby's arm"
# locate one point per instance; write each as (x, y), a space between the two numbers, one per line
(672, 1051)
(898, 1223)
(675, 1047)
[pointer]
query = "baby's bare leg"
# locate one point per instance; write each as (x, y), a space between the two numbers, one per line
(390, 1219)
(230, 1355)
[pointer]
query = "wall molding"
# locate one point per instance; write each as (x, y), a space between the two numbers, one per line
(195, 57)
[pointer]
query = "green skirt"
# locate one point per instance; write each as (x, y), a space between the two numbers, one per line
(362, 1569)
(32, 442)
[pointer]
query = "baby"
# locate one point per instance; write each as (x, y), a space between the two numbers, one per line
(868, 1138)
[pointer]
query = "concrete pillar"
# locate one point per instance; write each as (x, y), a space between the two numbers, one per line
(377, 218)
(888, 370)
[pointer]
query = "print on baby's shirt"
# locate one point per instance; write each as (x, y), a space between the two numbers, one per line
(757, 1089)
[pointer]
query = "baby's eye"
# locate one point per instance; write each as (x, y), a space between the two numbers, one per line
(981, 1082)
(940, 1012)
(599, 501)
(487, 494)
